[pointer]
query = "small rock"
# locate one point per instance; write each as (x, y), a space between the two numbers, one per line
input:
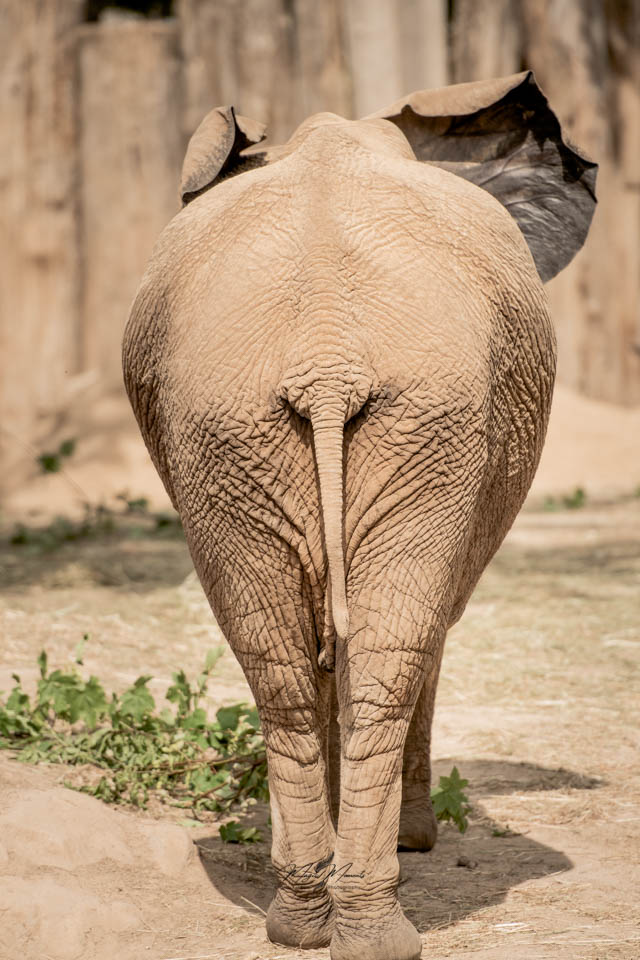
(466, 862)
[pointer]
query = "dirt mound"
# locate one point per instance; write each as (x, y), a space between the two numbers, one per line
(64, 863)
(83, 881)
(590, 444)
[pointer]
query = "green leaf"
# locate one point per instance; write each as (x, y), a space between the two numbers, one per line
(16, 721)
(204, 779)
(18, 700)
(213, 655)
(49, 462)
(87, 702)
(180, 692)
(575, 500)
(167, 520)
(252, 718)
(20, 535)
(54, 691)
(232, 833)
(196, 720)
(449, 801)
(140, 504)
(42, 663)
(137, 702)
(167, 717)
(229, 717)
(67, 448)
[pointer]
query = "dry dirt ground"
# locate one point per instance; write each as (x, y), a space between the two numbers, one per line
(538, 706)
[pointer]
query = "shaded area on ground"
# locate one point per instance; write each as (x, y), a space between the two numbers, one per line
(435, 889)
(131, 558)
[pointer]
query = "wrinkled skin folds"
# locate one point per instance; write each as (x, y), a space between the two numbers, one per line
(342, 362)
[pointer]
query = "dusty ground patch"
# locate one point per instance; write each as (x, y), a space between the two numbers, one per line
(538, 706)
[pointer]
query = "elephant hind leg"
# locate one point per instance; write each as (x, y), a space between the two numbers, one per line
(333, 752)
(380, 673)
(418, 825)
(301, 913)
(267, 618)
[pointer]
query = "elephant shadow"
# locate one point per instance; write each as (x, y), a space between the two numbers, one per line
(461, 875)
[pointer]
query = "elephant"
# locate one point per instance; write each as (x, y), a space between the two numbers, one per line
(341, 360)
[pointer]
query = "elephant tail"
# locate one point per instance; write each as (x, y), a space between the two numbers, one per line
(329, 402)
(328, 441)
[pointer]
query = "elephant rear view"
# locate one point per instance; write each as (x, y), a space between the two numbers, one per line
(342, 362)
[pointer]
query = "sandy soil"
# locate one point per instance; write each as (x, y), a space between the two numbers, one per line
(589, 444)
(538, 706)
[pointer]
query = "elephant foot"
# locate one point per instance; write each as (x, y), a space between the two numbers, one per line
(418, 826)
(395, 938)
(294, 922)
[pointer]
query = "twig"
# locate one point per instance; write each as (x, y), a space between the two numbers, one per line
(560, 943)
(263, 912)
(227, 906)
(200, 956)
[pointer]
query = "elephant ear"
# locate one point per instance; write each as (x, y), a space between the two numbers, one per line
(503, 136)
(215, 151)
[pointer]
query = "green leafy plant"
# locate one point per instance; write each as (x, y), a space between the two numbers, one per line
(167, 522)
(52, 462)
(96, 521)
(232, 833)
(133, 520)
(133, 504)
(176, 755)
(569, 501)
(450, 802)
(575, 500)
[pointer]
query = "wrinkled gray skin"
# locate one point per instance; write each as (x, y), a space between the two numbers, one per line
(342, 362)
